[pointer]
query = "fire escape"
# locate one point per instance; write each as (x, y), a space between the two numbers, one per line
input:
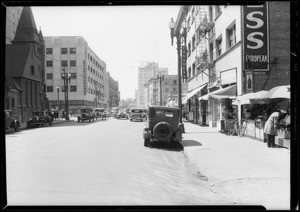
(204, 27)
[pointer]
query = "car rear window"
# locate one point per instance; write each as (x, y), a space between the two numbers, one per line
(136, 111)
(164, 113)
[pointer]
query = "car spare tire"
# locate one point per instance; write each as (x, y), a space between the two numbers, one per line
(162, 131)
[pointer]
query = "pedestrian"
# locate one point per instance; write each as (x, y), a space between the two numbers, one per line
(271, 126)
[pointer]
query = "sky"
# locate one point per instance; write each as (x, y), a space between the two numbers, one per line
(121, 36)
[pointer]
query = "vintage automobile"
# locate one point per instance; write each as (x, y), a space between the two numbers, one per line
(162, 126)
(100, 113)
(122, 115)
(86, 114)
(11, 121)
(39, 119)
(138, 114)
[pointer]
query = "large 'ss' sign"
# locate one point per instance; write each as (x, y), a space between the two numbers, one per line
(256, 37)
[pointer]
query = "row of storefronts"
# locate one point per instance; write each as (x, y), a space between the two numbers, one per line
(233, 60)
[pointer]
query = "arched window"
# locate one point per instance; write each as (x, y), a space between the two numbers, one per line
(26, 93)
(32, 70)
(31, 96)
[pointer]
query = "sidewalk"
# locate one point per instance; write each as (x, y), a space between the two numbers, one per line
(240, 167)
(59, 120)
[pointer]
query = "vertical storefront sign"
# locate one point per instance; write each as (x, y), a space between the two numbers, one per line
(183, 62)
(256, 37)
(84, 78)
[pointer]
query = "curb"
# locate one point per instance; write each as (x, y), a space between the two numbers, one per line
(24, 125)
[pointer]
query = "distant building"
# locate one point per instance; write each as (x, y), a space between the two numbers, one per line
(13, 15)
(114, 93)
(24, 69)
(145, 73)
(88, 83)
(169, 85)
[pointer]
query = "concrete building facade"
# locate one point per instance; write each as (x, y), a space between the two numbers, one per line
(152, 89)
(145, 73)
(89, 83)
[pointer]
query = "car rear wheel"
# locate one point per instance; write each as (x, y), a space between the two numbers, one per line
(163, 131)
(146, 142)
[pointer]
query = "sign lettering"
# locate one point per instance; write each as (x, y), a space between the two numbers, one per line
(256, 38)
(184, 57)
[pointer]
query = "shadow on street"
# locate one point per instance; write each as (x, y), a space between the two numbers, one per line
(186, 143)
(167, 146)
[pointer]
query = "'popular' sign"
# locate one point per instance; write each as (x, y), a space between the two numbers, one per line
(256, 37)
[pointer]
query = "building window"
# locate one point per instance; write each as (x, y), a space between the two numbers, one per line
(49, 63)
(175, 82)
(64, 63)
(49, 88)
(174, 89)
(48, 50)
(193, 69)
(217, 10)
(12, 102)
(49, 76)
(62, 88)
(72, 62)
(193, 43)
(31, 95)
(64, 50)
(73, 88)
(73, 75)
(219, 46)
(35, 85)
(72, 50)
(231, 37)
(189, 48)
(189, 72)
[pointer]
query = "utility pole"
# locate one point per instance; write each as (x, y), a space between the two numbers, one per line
(66, 79)
(161, 78)
(57, 89)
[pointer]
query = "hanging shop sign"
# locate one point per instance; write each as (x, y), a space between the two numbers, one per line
(184, 57)
(256, 37)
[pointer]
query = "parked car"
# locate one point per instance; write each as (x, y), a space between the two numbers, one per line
(122, 115)
(86, 114)
(138, 114)
(162, 126)
(11, 121)
(100, 113)
(39, 119)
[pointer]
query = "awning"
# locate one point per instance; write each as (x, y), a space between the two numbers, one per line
(229, 92)
(256, 98)
(192, 93)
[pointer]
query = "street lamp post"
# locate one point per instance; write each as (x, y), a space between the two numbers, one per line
(178, 36)
(66, 78)
(161, 78)
(57, 89)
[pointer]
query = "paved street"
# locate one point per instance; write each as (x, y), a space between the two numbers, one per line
(105, 163)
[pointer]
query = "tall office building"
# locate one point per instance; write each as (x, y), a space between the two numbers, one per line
(146, 72)
(71, 54)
